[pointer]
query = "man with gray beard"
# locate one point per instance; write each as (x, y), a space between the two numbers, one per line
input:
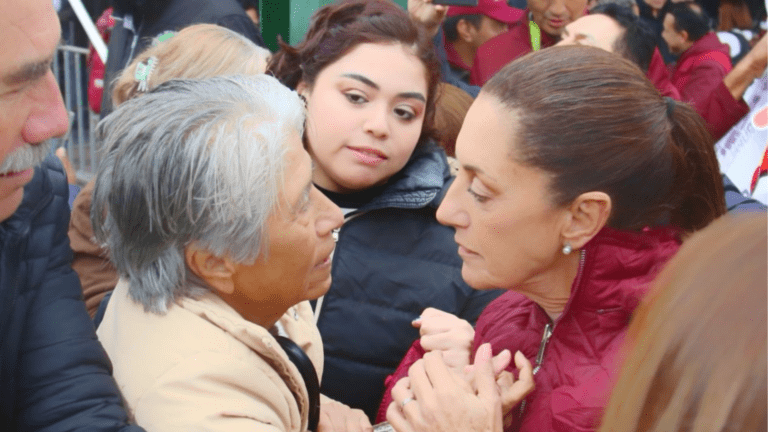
(55, 375)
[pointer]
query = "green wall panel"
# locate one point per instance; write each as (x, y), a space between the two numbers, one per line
(290, 18)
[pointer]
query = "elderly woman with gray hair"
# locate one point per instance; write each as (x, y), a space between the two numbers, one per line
(205, 200)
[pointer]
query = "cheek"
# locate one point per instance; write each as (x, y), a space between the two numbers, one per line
(408, 138)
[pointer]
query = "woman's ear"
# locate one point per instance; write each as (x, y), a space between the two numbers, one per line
(217, 272)
(587, 215)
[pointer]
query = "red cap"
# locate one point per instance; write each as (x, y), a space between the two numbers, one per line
(496, 9)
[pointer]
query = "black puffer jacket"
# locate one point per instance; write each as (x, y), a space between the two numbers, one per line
(54, 374)
(392, 260)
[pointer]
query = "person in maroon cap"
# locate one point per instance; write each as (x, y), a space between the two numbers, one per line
(468, 27)
(545, 21)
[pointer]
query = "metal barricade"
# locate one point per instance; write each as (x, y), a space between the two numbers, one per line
(69, 69)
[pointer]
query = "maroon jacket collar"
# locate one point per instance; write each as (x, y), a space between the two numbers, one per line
(708, 43)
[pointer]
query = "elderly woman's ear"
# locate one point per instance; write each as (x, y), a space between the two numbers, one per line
(217, 272)
(586, 216)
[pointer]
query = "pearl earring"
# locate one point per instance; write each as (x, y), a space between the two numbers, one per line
(567, 249)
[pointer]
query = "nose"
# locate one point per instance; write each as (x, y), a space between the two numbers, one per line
(557, 8)
(377, 122)
(329, 214)
(47, 117)
(450, 212)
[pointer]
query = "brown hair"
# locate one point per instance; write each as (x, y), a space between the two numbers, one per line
(734, 14)
(697, 345)
(337, 28)
(595, 123)
(452, 107)
(197, 51)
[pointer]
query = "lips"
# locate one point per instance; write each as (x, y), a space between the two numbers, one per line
(556, 23)
(17, 174)
(327, 261)
(368, 156)
(464, 251)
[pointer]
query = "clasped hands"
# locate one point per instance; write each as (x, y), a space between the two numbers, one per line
(444, 393)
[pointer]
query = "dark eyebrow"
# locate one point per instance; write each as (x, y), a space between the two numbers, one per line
(362, 79)
(369, 83)
(28, 72)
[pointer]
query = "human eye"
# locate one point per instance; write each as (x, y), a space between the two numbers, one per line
(355, 98)
(475, 190)
(405, 113)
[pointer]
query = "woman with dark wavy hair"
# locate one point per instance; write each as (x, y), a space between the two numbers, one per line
(370, 77)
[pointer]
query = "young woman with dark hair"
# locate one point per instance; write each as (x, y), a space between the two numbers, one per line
(369, 76)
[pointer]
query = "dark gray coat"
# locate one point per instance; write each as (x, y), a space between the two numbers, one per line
(54, 374)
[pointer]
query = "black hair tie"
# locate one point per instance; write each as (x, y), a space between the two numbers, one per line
(670, 106)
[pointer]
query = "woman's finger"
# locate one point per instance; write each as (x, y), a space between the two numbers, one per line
(397, 419)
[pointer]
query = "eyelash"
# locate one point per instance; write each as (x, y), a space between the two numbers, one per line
(405, 114)
(479, 198)
(355, 98)
(401, 113)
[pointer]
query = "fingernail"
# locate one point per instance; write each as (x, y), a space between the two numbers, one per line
(417, 320)
(485, 351)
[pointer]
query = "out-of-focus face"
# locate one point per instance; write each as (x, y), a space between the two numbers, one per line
(655, 4)
(507, 229)
(676, 41)
(489, 29)
(31, 109)
(553, 15)
(296, 264)
(365, 112)
(600, 31)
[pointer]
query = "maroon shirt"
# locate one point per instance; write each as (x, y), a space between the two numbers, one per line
(502, 49)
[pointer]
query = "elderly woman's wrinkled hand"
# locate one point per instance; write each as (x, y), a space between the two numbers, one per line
(337, 417)
(436, 398)
(447, 333)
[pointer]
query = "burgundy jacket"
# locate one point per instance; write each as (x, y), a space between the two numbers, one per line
(578, 363)
(702, 77)
(700, 69)
(492, 55)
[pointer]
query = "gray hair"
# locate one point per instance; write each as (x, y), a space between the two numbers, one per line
(193, 161)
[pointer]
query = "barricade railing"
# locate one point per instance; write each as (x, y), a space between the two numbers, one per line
(69, 69)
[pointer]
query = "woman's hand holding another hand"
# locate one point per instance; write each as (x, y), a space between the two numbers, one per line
(437, 398)
(447, 333)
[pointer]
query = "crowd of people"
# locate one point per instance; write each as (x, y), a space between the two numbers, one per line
(547, 216)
